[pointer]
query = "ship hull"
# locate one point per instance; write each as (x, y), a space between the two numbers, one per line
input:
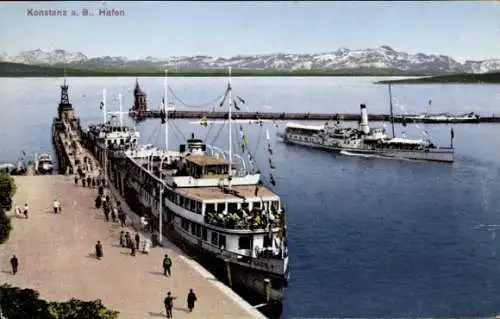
(444, 155)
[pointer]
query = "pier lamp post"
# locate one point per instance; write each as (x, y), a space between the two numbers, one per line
(160, 215)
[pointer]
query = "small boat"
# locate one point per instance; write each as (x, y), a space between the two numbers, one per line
(44, 164)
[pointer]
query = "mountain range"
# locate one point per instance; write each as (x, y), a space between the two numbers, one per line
(383, 57)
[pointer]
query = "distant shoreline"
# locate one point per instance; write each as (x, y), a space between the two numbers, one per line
(467, 78)
(19, 70)
(8, 69)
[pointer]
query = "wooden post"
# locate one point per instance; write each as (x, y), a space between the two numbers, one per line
(228, 272)
(267, 287)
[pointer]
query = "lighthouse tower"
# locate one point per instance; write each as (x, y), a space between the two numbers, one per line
(65, 109)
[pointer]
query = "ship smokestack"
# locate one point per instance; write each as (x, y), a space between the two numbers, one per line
(363, 124)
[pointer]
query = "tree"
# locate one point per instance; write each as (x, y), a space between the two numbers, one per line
(5, 226)
(22, 303)
(17, 303)
(7, 191)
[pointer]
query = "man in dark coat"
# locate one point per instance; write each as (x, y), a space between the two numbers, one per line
(89, 181)
(101, 190)
(98, 250)
(106, 211)
(191, 299)
(167, 265)
(76, 179)
(169, 304)
(14, 263)
(137, 240)
(98, 202)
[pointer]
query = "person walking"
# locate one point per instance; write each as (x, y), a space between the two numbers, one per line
(167, 266)
(123, 241)
(191, 299)
(25, 210)
(137, 240)
(98, 250)
(114, 212)
(57, 206)
(169, 304)
(14, 262)
(89, 181)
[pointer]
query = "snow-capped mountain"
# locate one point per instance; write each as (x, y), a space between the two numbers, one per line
(383, 57)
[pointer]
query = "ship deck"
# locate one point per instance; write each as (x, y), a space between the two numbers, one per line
(218, 193)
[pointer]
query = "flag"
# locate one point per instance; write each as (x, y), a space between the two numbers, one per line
(101, 105)
(24, 153)
(271, 180)
(204, 121)
(163, 101)
(452, 133)
(240, 99)
(269, 149)
(163, 116)
(271, 164)
(244, 143)
(236, 105)
(430, 102)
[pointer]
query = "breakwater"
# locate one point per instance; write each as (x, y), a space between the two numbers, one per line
(304, 117)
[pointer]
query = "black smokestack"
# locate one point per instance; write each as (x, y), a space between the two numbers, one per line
(362, 106)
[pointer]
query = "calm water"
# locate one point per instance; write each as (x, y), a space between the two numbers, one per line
(368, 237)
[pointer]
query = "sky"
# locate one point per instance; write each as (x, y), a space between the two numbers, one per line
(461, 29)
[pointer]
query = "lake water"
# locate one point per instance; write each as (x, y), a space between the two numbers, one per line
(368, 237)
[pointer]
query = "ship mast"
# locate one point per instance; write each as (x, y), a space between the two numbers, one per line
(392, 112)
(230, 102)
(165, 109)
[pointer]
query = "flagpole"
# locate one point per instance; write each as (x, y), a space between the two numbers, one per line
(165, 107)
(104, 105)
(230, 99)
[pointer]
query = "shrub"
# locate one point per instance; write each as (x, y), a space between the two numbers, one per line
(7, 191)
(17, 303)
(5, 226)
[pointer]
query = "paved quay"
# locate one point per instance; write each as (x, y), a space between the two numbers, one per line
(56, 256)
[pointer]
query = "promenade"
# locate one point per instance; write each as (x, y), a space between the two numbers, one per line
(56, 256)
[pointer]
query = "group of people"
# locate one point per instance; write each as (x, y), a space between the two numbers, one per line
(24, 212)
(244, 219)
(169, 302)
(127, 242)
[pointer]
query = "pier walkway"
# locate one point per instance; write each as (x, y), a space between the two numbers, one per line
(56, 253)
(56, 256)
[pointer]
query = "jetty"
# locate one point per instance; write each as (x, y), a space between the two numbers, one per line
(277, 116)
(56, 251)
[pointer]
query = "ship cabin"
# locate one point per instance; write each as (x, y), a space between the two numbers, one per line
(407, 144)
(114, 136)
(300, 132)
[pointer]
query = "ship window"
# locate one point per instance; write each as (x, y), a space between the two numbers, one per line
(221, 207)
(244, 205)
(245, 242)
(222, 241)
(215, 238)
(186, 203)
(178, 199)
(122, 141)
(209, 208)
(198, 208)
(267, 241)
(204, 233)
(256, 205)
(232, 207)
(193, 229)
(192, 205)
(198, 230)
